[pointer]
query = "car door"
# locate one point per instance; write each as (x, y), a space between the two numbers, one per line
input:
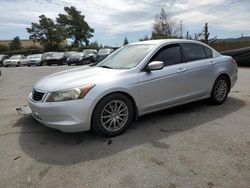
(164, 87)
(199, 63)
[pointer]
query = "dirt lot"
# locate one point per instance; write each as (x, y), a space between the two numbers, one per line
(195, 145)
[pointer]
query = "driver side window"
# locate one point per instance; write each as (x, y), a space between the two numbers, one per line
(170, 55)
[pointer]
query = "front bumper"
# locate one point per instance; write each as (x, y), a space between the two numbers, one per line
(10, 63)
(66, 116)
(33, 63)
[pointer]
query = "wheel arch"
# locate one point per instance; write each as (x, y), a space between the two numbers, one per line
(228, 78)
(129, 96)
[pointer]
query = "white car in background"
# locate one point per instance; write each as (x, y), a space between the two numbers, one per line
(35, 59)
(15, 60)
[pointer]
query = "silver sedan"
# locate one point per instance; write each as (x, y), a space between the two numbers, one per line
(135, 80)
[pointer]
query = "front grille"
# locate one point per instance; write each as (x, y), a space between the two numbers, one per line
(37, 96)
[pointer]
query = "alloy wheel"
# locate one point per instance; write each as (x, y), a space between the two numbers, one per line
(114, 115)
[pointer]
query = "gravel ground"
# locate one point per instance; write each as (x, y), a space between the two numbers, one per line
(195, 145)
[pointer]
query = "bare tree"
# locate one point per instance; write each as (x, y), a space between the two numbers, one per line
(165, 27)
(203, 36)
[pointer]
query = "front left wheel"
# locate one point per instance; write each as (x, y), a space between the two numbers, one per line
(112, 115)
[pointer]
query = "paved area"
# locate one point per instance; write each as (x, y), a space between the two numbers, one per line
(195, 145)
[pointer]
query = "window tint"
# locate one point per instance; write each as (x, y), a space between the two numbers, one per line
(193, 52)
(170, 55)
(209, 52)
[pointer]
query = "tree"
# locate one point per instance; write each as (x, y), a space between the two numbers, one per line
(3, 48)
(76, 27)
(125, 41)
(47, 33)
(15, 44)
(165, 27)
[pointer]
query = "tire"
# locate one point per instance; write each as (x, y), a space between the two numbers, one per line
(106, 121)
(220, 90)
(18, 64)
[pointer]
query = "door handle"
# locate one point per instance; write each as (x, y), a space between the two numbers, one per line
(181, 70)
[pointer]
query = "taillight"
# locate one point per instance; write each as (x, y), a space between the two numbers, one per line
(234, 61)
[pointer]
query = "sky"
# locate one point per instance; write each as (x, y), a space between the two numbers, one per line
(113, 20)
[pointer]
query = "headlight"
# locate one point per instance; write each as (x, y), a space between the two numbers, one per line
(71, 94)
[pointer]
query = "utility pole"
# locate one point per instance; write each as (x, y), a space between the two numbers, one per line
(187, 35)
(181, 29)
(206, 34)
(242, 35)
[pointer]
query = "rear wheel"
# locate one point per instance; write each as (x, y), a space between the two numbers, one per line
(220, 90)
(112, 115)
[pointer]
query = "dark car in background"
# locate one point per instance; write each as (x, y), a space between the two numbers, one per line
(56, 58)
(89, 55)
(104, 52)
(45, 57)
(76, 58)
(69, 53)
(34, 60)
(2, 58)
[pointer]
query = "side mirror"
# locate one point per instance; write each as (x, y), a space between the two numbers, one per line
(155, 65)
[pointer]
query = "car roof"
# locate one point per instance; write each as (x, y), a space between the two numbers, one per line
(165, 41)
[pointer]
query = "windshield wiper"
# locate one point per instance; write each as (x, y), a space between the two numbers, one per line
(105, 66)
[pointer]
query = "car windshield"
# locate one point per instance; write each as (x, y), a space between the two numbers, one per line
(105, 50)
(57, 55)
(127, 57)
(15, 57)
(80, 54)
(86, 52)
(36, 56)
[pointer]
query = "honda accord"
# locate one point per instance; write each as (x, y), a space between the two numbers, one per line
(135, 80)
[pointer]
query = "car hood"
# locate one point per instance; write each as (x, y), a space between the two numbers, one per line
(34, 59)
(103, 53)
(48, 58)
(12, 60)
(76, 78)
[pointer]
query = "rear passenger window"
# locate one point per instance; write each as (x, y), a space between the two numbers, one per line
(193, 52)
(170, 55)
(209, 52)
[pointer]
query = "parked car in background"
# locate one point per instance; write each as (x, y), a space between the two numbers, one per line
(2, 58)
(56, 58)
(69, 53)
(15, 60)
(76, 58)
(135, 80)
(104, 52)
(35, 59)
(89, 55)
(45, 56)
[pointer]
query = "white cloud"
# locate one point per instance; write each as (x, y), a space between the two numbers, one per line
(122, 16)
